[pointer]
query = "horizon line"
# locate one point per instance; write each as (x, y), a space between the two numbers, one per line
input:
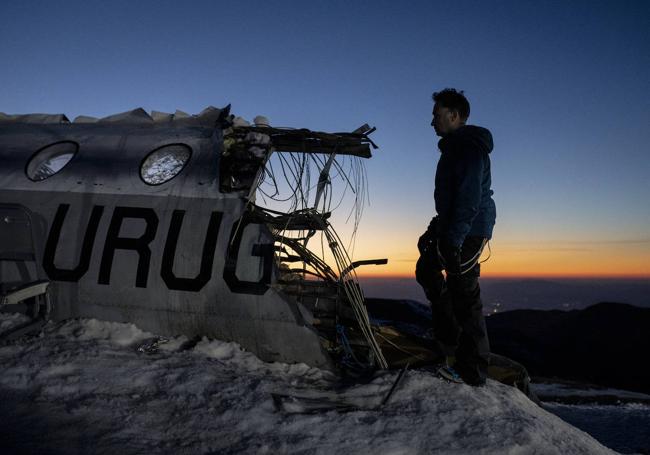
(521, 276)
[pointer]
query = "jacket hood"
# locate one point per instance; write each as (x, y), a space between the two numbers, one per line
(468, 135)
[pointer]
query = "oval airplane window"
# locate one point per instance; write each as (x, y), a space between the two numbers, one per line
(50, 160)
(164, 163)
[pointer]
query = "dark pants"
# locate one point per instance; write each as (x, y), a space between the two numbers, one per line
(458, 321)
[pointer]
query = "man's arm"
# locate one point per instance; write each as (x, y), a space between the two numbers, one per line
(468, 175)
(444, 191)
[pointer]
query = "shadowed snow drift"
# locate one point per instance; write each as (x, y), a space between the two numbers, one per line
(84, 386)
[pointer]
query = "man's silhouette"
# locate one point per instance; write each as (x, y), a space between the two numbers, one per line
(456, 237)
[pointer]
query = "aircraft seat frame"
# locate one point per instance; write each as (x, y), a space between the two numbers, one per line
(31, 295)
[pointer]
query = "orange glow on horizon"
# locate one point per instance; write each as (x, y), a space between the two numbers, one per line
(515, 256)
(390, 275)
(409, 272)
(600, 261)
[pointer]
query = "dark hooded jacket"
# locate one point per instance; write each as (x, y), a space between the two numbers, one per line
(463, 195)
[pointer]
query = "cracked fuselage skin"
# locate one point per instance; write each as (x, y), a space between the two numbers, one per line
(179, 258)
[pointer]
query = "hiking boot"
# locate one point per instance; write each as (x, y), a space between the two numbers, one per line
(448, 373)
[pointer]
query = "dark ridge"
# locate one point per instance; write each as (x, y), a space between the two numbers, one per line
(409, 311)
(605, 344)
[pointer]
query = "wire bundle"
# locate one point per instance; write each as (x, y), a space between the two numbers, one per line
(354, 293)
(287, 184)
(298, 196)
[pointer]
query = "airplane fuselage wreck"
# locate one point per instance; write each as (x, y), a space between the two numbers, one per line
(153, 221)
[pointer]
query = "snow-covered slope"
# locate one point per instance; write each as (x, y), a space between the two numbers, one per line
(85, 387)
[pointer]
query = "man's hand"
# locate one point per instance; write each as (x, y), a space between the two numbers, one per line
(450, 257)
(427, 242)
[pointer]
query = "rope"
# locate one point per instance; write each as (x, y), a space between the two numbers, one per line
(471, 262)
(347, 348)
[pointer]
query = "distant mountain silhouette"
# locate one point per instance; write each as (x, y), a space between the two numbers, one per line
(605, 344)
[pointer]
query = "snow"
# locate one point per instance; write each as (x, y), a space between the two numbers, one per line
(624, 427)
(617, 418)
(85, 386)
(239, 121)
(11, 320)
(559, 390)
(261, 120)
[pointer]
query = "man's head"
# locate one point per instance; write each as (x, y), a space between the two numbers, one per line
(450, 111)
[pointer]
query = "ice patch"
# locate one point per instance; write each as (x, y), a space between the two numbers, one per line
(116, 333)
(219, 349)
(555, 391)
(10, 320)
(173, 344)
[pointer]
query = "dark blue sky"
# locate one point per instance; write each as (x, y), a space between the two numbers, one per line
(563, 86)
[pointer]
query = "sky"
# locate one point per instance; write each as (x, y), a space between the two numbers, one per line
(563, 86)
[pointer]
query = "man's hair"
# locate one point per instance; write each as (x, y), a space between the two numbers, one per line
(453, 100)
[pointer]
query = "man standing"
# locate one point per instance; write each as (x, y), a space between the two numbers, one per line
(456, 237)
